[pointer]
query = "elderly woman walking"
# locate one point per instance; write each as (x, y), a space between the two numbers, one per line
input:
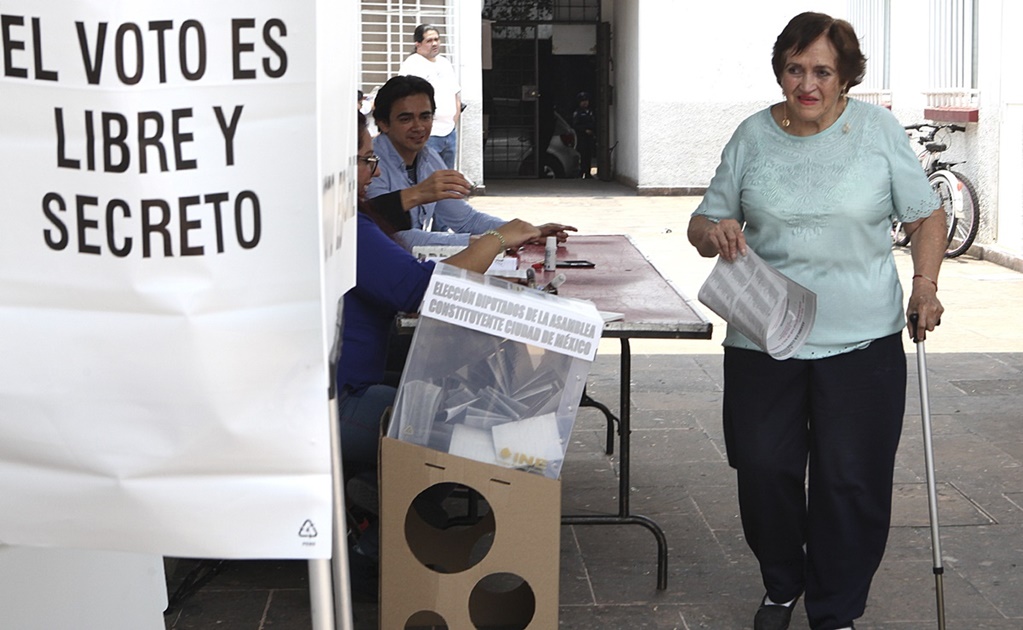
(811, 184)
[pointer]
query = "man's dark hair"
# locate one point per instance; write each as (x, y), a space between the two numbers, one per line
(802, 30)
(420, 33)
(396, 88)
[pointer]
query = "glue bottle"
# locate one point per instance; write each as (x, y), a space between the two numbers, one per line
(550, 254)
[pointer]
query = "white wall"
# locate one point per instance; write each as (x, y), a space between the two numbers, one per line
(625, 78)
(705, 67)
(1008, 232)
(981, 151)
(470, 59)
(45, 588)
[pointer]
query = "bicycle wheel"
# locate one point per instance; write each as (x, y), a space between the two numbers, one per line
(949, 191)
(899, 236)
(963, 226)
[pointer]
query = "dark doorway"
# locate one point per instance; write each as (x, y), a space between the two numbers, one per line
(543, 54)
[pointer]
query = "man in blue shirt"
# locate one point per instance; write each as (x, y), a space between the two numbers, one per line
(432, 194)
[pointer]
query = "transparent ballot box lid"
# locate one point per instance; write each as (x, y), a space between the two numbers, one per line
(495, 372)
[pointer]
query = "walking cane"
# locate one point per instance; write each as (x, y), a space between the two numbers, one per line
(932, 493)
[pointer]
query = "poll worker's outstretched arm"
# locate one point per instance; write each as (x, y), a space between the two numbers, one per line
(481, 251)
(414, 237)
(928, 242)
(556, 229)
(723, 238)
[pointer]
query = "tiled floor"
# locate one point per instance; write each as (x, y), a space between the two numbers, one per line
(681, 480)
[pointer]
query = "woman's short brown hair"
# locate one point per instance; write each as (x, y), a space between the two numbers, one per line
(803, 29)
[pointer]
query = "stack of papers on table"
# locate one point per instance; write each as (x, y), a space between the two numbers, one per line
(503, 266)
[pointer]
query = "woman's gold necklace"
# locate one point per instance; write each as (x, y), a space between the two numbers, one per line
(785, 122)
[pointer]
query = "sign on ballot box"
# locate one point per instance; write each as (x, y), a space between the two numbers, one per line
(178, 226)
(495, 372)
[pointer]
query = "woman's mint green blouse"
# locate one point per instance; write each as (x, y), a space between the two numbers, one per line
(819, 209)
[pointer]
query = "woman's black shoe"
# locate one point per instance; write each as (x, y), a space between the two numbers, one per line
(773, 617)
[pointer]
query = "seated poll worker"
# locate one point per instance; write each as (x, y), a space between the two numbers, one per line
(431, 194)
(388, 280)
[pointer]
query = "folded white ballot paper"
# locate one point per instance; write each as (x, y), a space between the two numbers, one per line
(415, 420)
(763, 304)
(531, 442)
(472, 443)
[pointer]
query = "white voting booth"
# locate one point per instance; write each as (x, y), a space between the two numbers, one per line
(178, 227)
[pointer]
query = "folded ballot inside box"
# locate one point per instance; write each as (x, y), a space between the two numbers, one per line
(495, 371)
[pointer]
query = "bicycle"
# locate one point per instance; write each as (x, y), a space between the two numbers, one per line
(957, 193)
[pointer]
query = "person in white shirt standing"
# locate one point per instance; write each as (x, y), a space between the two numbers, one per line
(428, 63)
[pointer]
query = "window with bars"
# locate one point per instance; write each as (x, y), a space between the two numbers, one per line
(387, 29)
(577, 11)
(872, 21)
(542, 10)
(952, 46)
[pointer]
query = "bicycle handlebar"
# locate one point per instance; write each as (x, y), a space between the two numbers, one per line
(927, 131)
(935, 127)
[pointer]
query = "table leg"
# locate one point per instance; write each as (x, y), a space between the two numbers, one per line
(632, 519)
(589, 401)
(625, 450)
(624, 426)
(624, 517)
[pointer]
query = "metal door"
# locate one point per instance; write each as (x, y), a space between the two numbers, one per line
(511, 101)
(604, 102)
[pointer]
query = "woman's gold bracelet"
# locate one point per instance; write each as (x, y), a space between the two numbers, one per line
(504, 245)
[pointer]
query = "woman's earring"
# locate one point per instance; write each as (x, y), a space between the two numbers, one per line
(785, 122)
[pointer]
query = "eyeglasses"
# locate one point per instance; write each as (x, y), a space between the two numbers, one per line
(372, 161)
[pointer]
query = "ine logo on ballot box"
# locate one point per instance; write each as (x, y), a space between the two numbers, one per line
(496, 371)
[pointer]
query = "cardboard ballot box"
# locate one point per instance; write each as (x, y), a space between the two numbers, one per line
(499, 571)
(486, 404)
(495, 372)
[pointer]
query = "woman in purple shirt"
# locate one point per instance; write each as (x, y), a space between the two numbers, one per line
(388, 280)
